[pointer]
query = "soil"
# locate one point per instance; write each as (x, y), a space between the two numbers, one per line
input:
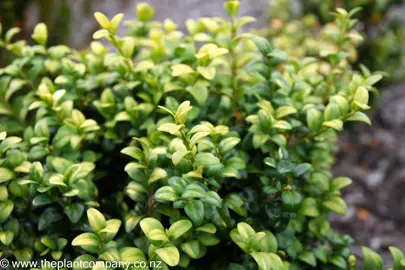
(374, 158)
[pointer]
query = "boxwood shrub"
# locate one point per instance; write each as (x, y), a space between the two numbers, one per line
(383, 31)
(206, 150)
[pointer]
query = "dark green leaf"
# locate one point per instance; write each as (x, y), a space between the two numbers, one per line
(195, 211)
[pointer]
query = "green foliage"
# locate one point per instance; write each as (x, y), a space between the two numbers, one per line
(210, 150)
(308, 32)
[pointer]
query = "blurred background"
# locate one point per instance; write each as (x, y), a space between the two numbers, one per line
(374, 157)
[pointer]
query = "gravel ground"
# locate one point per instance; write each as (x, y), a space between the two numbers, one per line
(374, 157)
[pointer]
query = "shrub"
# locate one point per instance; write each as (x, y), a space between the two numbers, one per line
(306, 37)
(303, 32)
(210, 150)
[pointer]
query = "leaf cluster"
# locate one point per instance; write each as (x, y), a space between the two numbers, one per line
(189, 145)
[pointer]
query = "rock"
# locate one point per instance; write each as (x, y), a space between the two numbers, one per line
(83, 24)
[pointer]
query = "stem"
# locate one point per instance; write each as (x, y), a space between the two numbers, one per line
(270, 69)
(151, 202)
(187, 144)
(234, 74)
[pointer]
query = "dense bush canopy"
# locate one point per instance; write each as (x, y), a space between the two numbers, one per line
(303, 32)
(210, 150)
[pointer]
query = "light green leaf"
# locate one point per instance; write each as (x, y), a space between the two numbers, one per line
(83, 260)
(199, 93)
(15, 85)
(97, 35)
(157, 174)
(96, 220)
(309, 207)
(11, 33)
(373, 79)
(87, 241)
(6, 237)
(267, 261)
(314, 120)
(245, 231)
(3, 193)
(281, 124)
(193, 191)
(192, 248)
(144, 12)
(24, 254)
(9, 143)
(361, 96)
(331, 112)
(169, 255)
(199, 128)
(336, 204)
(208, 228)
(238, 240)
(179, 228)
(170, 128)
(228, 144)
(40, 34)
(207, 72)
(197, 137)
(109, 232)
(342, 103)
(102, 20)
(244, 20)
(57, 180)
(182, 112)
(127, 47)
(131, 223)
(166, 194)
(336, 124)
(132, 255)
(206, 159)
(157, 237)
(144, 66)
(149, 224)
(181, 69)
(178, 156)
(398, 256)
(111, 254)
(6, 207)
(259, 139)
(360, 117)
(115, 22)
(5, 175)
(339, 183)
(284, 111)
(270, 162)
(372, 261)
(266, 243)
